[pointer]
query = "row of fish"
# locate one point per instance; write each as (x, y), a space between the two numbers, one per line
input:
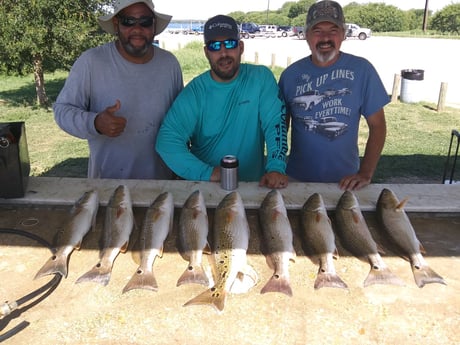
(230, 238)
(355, 237)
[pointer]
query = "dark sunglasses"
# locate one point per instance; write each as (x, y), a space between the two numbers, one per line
(215, 46)
(145, 22)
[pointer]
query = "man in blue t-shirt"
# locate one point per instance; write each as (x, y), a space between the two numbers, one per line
(232, 109)
(326, 93)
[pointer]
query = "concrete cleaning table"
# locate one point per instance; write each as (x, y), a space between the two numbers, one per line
(92, 314)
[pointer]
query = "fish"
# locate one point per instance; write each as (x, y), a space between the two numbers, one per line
(396, 225)
(229, 245)
(320, 240)
(193, 239)
(118, 225)
(356, 237)
(278, 239)
(158, 222)
(82, 218)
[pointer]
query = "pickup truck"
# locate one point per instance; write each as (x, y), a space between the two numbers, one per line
(354, 30)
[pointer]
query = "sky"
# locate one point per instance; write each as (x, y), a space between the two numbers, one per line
(203, 9)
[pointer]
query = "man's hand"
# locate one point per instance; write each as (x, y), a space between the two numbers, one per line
(354, 182)
(274, 180)
(107, 123)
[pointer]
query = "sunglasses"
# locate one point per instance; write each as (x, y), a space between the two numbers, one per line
(145, 22)
(215, 46)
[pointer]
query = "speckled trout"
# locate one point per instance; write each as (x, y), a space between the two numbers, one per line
(193, 239)
(356, 237)
(119, 222)
(320, 241)
(229, 246)
(397, 226)
(82, 219)
(277, 239)
(158, 222)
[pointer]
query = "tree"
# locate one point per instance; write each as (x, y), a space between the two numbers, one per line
(447, 20)
(45, 35)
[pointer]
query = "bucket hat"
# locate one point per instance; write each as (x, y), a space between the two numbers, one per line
(161, 20)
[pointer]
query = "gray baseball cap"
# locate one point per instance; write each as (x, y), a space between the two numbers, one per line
(325, 11)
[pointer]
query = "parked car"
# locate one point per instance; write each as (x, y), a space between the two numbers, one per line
(285, 30)
(251, 28)
(299, 31)
(354, 30)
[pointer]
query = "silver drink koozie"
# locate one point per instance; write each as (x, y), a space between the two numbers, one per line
(229, 172)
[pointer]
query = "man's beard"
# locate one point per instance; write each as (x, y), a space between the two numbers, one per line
(135, 51)
(225, 75)
(326, 57)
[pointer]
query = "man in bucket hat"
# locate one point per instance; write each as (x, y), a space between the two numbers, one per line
(326, 93)
(117, 94)
(232, 109)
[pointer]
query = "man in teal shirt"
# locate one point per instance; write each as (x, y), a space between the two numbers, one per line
(232, 109)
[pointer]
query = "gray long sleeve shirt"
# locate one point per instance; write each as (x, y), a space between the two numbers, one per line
(98, 78)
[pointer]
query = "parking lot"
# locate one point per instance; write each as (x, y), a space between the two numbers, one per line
(437, 57)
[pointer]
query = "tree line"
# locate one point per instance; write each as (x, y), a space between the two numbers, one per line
(39, 36)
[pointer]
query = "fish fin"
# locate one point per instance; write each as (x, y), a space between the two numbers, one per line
(269, 261)
(246, 279)
(278, 283)
(120, 211)
(335, 254)
(99, 274)
(318, 217)
(193, 275)
(378, 275)
(78, 245)
(55, 264)
(325, 279)
(380, 249)
(425, 275)
(207, 249)
(402, 203)
(355, 216)
(422, 250)
(160, 252)
(141, 280)
(124, 248)
(212, 296)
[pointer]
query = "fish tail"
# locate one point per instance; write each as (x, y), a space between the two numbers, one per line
(55, 264)
(382, 275)
(142, 280)
(193, 274)
(425, 275)
(325, 279)
(212, 297)
(98, 274)
(278, 283)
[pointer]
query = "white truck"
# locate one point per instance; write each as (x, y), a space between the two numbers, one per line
(354, 30)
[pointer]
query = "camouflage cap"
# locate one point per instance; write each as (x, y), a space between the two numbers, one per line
(325, 11)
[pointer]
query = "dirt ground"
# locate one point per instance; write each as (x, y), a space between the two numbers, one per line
(89, 313)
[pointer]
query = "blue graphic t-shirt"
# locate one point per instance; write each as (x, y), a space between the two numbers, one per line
(325, 105)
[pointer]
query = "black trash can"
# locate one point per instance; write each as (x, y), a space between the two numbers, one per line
(411, 85)
(14, 160)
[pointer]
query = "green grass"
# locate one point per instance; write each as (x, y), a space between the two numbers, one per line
(415, 150)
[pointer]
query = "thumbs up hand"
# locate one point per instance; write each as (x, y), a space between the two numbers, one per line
(107, 123)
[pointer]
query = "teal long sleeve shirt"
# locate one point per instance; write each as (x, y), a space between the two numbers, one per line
(210, 119)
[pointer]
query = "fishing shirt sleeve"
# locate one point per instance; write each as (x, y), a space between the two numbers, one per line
(273, 121)
(175, 133)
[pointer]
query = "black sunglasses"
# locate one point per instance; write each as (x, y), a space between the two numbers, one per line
(215, 46)
(145, 22)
